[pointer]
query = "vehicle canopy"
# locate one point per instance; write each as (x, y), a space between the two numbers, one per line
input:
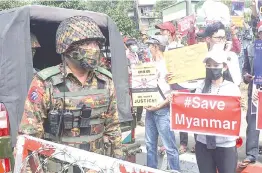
(16, 63)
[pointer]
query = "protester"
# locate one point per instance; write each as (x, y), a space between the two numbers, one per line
(193, 35)
(215, 34)
(131, 54)
(169, 30)
(252, 135)
(216, 153)
(158, 118)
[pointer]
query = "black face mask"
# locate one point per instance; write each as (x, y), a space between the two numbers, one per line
(213, 73)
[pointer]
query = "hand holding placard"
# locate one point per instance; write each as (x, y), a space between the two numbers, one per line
(179, 63)
(206, 114)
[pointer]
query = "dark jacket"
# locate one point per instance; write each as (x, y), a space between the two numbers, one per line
(247, 67)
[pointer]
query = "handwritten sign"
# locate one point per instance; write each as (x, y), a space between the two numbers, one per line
(206, 114)
(144, 85)
(258, 62)
(186, 63)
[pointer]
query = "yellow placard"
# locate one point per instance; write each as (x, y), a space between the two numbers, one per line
(237, 21)
(145, 99)
(186, 63)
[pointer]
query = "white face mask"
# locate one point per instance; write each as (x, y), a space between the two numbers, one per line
(219, 46)
(134, 48)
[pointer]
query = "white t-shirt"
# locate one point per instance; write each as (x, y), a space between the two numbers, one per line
(233, 67)
(226, 89)
(162, 72)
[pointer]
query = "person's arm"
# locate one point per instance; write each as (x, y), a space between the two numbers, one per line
(253, 8)
(246, 67)
(112, 125)
(191, 37)
(35, 109)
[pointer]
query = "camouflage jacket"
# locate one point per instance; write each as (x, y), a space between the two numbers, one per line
(37, 106)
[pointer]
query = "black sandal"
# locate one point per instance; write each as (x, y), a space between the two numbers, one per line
(182, 149)
(193, 150)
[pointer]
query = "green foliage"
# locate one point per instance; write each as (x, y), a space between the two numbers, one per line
(161, 4)
(8, 4)
(117, 10)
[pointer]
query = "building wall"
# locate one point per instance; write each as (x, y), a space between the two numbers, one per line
(177, 11)
(146, 15)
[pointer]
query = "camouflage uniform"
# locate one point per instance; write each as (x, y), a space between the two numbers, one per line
(47, 90)
(34, 44)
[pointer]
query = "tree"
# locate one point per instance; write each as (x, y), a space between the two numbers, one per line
(8, 4)
(161, 4)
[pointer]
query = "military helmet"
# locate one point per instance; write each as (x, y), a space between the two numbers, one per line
(75, 29)
(34, 41)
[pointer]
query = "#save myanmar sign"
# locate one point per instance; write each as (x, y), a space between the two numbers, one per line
(206, 114)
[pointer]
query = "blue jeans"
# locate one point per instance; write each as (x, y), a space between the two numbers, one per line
(158, 123)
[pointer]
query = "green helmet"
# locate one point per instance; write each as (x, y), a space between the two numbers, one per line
(75, 29)
(34, 41)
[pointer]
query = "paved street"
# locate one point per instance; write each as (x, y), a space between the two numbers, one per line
(141, 158)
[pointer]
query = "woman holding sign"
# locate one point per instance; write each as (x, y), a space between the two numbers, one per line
(214, 152)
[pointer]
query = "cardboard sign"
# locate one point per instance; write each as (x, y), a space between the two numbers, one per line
(183, 62)
(258, 62)
(206, 114)
(144, 85)
(237, 13)
(259, 111)
(184, 24)
(237, 21)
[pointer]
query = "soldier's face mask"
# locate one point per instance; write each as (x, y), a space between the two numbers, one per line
(88, 55)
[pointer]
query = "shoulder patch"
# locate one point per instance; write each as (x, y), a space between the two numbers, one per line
(35, 95)
(104, 72)
(48, 72)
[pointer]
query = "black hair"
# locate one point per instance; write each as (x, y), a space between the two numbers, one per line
(213, 28)
(207, 86)
(130, 42)
(160, 47)
(226, 76)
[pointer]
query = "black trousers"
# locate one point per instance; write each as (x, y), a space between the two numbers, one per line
(139, 111)
(184, 138)
(222, 159)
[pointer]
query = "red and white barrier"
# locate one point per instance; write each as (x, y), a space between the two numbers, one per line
(71, 155)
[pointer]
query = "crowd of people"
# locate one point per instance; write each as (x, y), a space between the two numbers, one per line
(229, 63)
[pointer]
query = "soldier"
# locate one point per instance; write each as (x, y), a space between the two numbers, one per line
(77, 91)
(35, 45)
